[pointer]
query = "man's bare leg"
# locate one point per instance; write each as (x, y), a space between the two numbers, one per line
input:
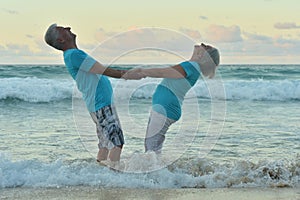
(115, 153)
(102, 154)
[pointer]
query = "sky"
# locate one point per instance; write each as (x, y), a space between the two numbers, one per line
(160, 31)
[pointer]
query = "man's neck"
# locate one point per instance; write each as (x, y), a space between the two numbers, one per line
(71, 45)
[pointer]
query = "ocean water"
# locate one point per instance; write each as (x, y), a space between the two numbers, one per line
(240, 130)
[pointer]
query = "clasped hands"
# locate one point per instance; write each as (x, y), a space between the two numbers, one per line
(134, 74)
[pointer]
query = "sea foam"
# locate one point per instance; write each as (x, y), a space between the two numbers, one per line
(184, 173)
(34, 89)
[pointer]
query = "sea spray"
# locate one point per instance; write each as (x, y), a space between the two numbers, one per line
(184, 173)
(36, 90)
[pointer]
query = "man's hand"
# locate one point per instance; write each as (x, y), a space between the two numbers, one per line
(134, 74)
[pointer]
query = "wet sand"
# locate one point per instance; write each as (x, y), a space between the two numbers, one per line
(83, 192)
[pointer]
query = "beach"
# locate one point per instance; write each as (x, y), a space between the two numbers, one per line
(82, 192)
(243, 143)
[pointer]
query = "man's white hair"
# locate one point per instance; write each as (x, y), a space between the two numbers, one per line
(51, 37)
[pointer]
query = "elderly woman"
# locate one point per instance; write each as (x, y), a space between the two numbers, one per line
(169, 94)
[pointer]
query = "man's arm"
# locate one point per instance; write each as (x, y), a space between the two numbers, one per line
(175, 71)
(98, 68)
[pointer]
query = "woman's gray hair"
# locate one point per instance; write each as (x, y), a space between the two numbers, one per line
(214, 54)
(51, 37)
(211, 60)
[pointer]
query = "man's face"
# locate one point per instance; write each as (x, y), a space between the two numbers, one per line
(65, 33)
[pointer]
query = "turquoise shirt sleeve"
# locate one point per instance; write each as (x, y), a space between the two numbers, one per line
(96, 89)
(191, 69)
(83, 61)
(169, 94)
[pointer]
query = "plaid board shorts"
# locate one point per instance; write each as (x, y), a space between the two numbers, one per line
(108, 126)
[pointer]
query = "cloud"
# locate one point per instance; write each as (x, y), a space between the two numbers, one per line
(29, 36)
(286, 25)
(13, 53)
(154, 45)
(290, 46)
(148, 43)
(11, 12)
(18, 50)
(223, 34)
(260, 48)
(2, 51)
(273, 47)
(102, 35)
(203, 17)
(195, 34)
(256, 37)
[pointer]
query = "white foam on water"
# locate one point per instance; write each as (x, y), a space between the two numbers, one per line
(34, 89)
(147, 172)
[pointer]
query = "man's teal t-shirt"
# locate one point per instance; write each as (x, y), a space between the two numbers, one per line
(169, 94)
(96, 89)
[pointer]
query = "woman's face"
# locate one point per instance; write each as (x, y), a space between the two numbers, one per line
(201, 49)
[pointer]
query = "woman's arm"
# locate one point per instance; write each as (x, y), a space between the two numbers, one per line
(175, 71)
